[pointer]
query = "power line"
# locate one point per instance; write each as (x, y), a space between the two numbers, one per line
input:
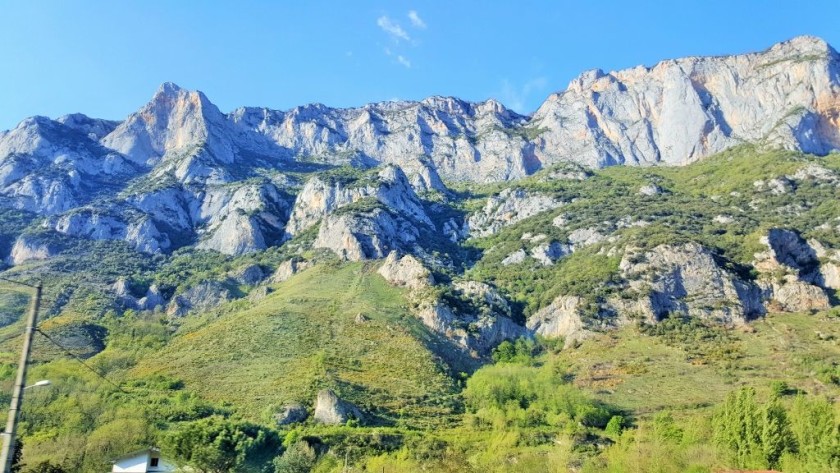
(92, 369)
(9, 337)
(17, 282)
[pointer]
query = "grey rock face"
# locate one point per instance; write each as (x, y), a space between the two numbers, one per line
(319, 198)
(795, 295)
(687, 280)
(250, 275)
(793, 276)
(507, 208)
(288, 269)
(549, 252)
(101, 224)
(463, 141)
(49, 167)
(830, 275)
(673, 113)
(241, 219)
(291, 414)
(407, 271)
(650, 190)
(563, 318)
(682, 110)
(785, 248)
(29, 248)
(152, 300)
(365, 235)
(486, 326)
(584, 237)
(485, 294)
(475, 331)
(332, 410)
(204, 296)
(516, 257)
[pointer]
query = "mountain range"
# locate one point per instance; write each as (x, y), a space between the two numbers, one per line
(184, 239)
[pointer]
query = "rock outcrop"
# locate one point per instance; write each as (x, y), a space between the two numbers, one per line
(549, 252)
(29, 248)
(292, 413)
(289, 268)
(477, 326)
(563, 318)
(321, 197)
(204, 296)
(687, 280)
(332, 410)
(365, 235)
(506, 208)
(241, 219)
(794, 295)
(406, 271)
(100, 224)
(249, 275)
(685, 109)
(792, 274)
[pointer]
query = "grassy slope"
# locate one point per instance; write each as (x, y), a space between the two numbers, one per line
(644, 374)
(303, 337)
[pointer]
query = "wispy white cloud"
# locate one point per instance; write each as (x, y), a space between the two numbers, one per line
(516, 97)
(392, 28)
(402, 60)
(416, 21)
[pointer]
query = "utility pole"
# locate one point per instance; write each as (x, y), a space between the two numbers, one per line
(20, 382)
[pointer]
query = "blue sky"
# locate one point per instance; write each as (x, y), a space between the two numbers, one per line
(106, 58)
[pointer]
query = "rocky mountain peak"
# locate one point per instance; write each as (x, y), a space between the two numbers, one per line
(170, 89)
(94, 128)
(175, 119)
(803, 45)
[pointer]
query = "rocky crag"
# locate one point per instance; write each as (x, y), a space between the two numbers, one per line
(454, 196)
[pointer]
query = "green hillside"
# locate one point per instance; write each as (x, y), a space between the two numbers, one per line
(304, 336)
(645, 397)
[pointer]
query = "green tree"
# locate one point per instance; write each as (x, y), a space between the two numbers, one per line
(755, 435)
(45, 467)
(615, 426)
(299, 458)
(217, 445)
(817, 432)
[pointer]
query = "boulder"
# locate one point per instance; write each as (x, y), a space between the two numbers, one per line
(650, 190)
(332, 410)
(584, 237)
(291, 413)
(289, 268)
